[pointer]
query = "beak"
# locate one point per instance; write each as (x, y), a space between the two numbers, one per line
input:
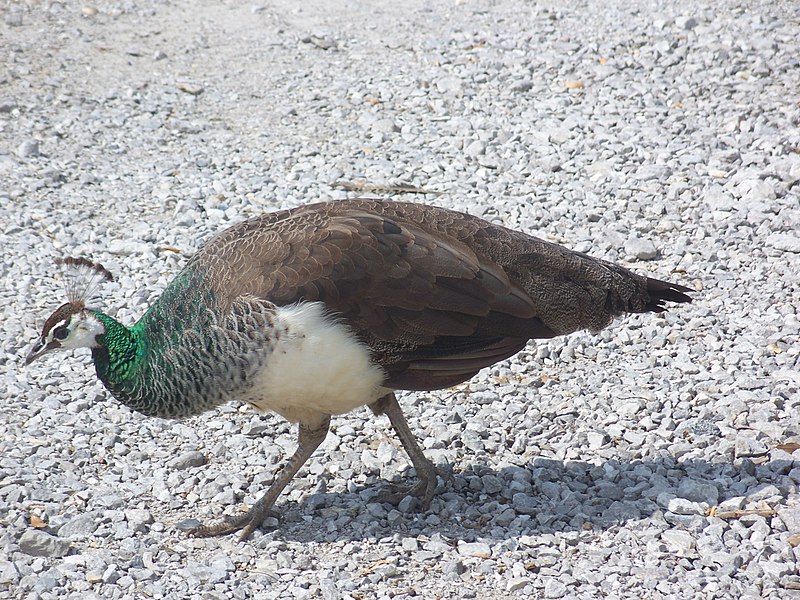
(40, 348)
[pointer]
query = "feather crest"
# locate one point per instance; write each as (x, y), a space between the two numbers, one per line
(81, 278)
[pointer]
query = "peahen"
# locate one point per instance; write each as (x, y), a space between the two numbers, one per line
(317, 310)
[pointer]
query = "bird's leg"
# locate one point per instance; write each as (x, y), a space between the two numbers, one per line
(309, 437)
(425, 488)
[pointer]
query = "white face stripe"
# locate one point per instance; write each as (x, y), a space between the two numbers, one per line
(84, 328)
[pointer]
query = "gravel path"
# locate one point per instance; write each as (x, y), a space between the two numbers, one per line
(654, 460)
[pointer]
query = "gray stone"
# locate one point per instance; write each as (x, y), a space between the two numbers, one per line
(424, 556)
(407, 504)
(764, 491)
(81, 525)
(453, 567)
(719, 199)
(41, 543)
(437, 546)
(697, 491)
(254, 427)
(596, 439)
(612, 491)
(13, 18)
(138, 518)
(756, 192)
(517, 583)
(7, 105)
(476, 148)
(8, 572)
(525, 503)
(790, 516)
(522, 86)
(678, 539)
(787, 242)
(553, 588)
(697, 427)
(28, 149)
(479, 549)
(746, 446)
(641, 249)
(775, 569)
(188, 460)
(329, 590)
(384, 126)
(449, 84)
(653, 172)
(112, 501)
(730, 504)
(681, 506)
(491, 484)
(410, 544)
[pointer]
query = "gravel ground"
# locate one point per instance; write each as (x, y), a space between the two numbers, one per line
(654, 460)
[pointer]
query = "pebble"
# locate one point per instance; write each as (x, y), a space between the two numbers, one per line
(525, 504)
(7, 105)
(410, 544)
(516, 584)
(790, 517)
(698, 491)
(641, 249)
(454, 567)
(449, 85)
(681, 506)
(13, 18)
(686, 22)
(476, 148)
(192, 89)
(479, 549)
(786, 242)
(553, 588)
(41, 543)
(81, 525)
(9, 574)
(746, 446)
(189, 459)
(28, 149)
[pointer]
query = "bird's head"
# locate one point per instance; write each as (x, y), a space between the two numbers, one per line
(73, 325)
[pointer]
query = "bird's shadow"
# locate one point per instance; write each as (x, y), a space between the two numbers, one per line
(546, 496)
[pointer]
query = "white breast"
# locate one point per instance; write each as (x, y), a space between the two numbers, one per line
(316, 366)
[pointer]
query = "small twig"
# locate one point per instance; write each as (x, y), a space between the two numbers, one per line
(378, 188)
(738, 514)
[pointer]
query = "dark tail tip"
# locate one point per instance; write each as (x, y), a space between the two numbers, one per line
(660, 292)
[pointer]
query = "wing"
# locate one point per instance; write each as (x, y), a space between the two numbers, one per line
(432, 310)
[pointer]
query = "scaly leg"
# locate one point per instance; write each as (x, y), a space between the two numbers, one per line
(425, 488)
(308, 439)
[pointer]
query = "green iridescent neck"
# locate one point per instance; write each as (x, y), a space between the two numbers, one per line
(119, 354)
(167, 364)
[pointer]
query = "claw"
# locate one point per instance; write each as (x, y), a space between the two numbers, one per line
(247, 523)
(424, 489)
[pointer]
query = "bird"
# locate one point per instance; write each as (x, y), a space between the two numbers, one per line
(314, 311)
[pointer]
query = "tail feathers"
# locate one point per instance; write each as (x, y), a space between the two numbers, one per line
(660, 292)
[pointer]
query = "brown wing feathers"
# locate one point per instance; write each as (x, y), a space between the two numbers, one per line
(436, 294)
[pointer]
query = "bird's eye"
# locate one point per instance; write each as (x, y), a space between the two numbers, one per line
(60, 333)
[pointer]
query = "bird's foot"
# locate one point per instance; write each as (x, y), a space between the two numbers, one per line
(424, 489)
(247, 523)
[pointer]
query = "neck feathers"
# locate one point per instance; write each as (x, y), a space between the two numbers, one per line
(183, 358)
